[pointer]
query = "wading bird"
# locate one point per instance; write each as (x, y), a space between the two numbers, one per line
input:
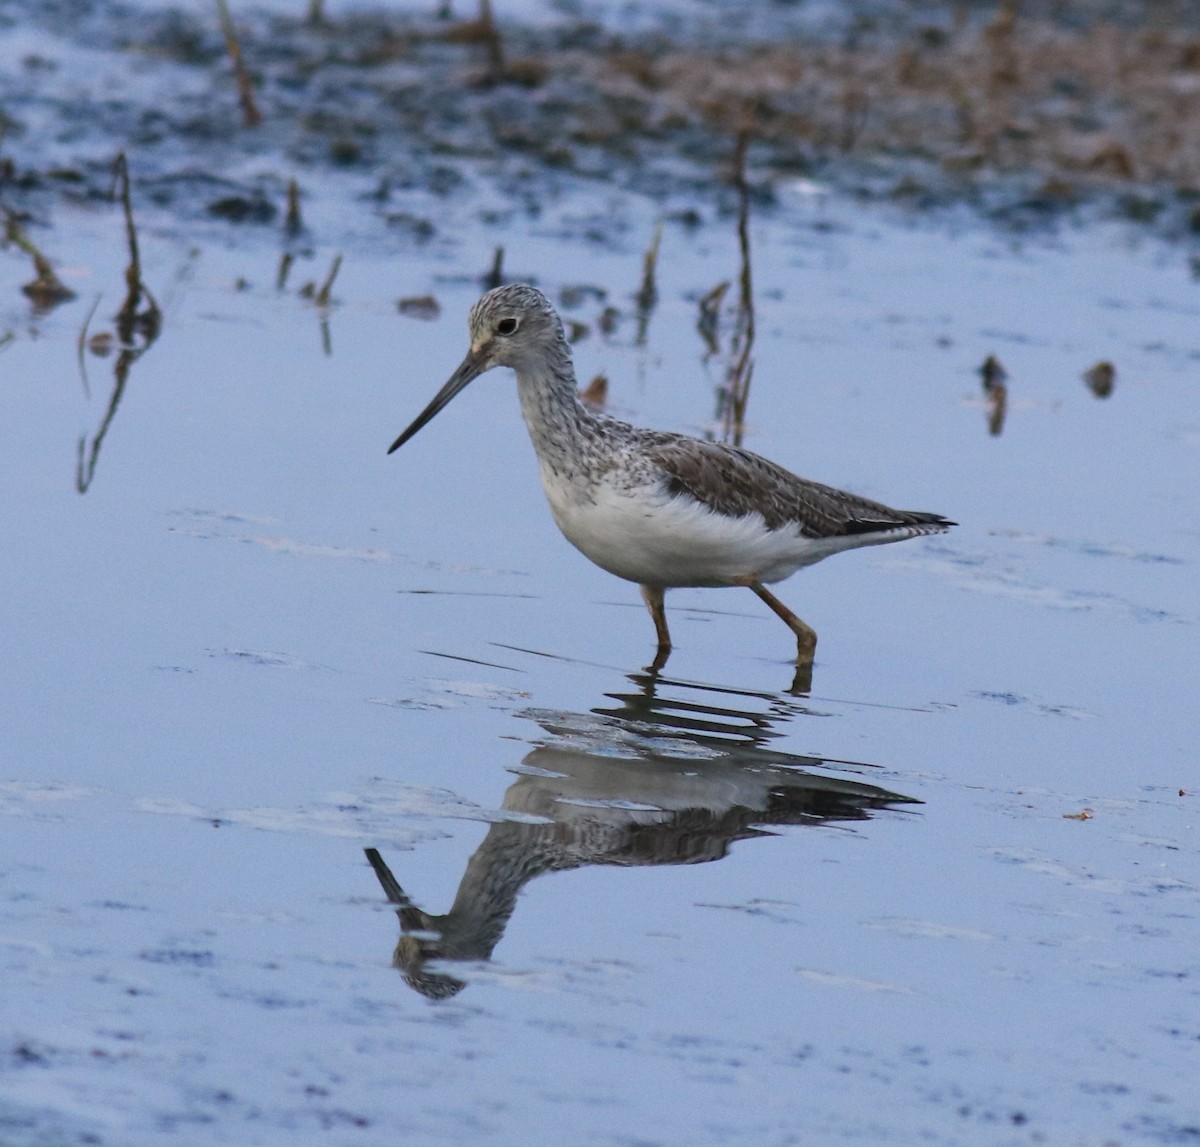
(656, 508)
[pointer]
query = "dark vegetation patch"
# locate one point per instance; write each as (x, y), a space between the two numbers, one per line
(1026, 110)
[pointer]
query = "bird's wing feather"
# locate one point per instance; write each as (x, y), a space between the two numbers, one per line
(735, 482)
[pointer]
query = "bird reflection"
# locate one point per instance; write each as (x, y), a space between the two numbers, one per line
(669, 773)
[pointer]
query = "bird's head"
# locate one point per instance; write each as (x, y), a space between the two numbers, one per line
(508, 327)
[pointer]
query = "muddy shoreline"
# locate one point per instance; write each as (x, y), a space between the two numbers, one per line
(1029, 114)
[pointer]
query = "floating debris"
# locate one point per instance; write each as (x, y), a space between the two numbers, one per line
(47, 290)
(1101, 378)
(595, 394)
(253, 208)
(101, 344)
(424, 307)
(576, 294)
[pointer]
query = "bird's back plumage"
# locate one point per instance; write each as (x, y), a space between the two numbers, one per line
(736, 482)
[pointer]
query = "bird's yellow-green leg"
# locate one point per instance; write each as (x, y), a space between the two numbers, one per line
(806, 636)
(653, 597)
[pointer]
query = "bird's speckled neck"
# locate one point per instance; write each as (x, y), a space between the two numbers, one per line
(560, 426)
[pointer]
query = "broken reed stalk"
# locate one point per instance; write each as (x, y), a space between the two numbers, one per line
(495, 277)
(741, 365)
(323, 295)
(46, 289)
(491, 37)
(709, 320)
(136, 331)
(1002, 73)
(992, 375)
(481, 30)
(292, 223)
(647, 296)
(250, 113)
(128, 318)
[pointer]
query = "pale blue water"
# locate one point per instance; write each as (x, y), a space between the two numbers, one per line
(220, 684)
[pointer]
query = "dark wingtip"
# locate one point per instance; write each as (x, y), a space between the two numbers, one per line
(928, 523)
(926, 519)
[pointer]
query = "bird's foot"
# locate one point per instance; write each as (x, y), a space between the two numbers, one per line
(660, 658)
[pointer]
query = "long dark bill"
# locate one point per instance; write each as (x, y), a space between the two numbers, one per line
(470, 369)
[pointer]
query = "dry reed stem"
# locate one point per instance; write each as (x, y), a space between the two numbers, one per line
(251, 116)
(741, 366)
(136, 331)
(709, 320)
(324, 294)
(1090, 102)
(481, 30)
(293, 224)
(995, 389)
(495, 277)
(129, 319)
(647, 295)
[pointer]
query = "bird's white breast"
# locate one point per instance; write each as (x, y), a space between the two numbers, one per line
(646, 535)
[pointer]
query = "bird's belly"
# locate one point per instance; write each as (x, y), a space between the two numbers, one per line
(653, 538)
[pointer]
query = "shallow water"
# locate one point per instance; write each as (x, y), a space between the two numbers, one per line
(693, 908)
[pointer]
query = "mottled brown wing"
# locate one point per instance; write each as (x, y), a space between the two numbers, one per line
(736, 482)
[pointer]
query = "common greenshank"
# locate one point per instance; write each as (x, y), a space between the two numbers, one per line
(660, 509)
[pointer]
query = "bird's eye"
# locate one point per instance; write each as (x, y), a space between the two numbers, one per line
(506, 327)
